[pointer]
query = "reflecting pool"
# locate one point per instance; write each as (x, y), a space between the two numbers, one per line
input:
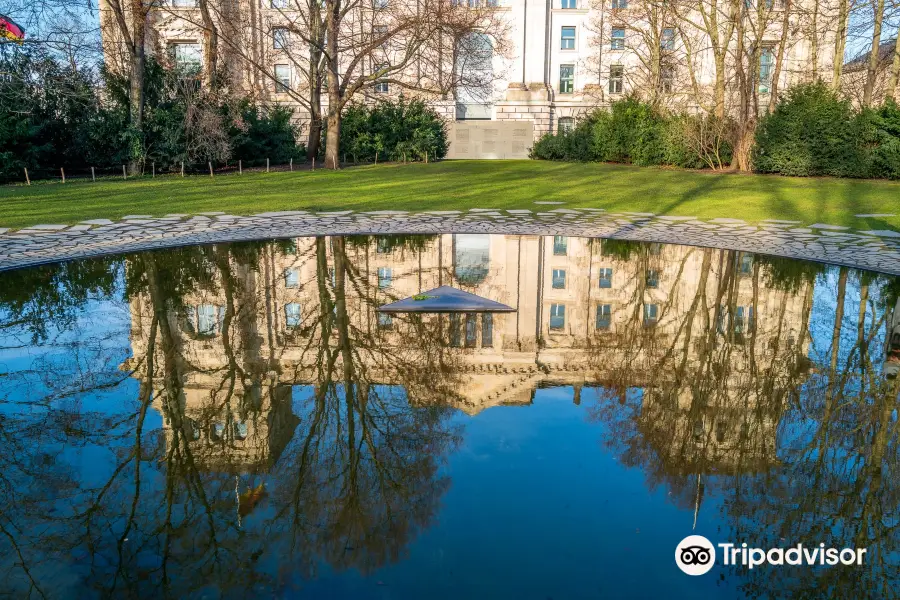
(240, 421)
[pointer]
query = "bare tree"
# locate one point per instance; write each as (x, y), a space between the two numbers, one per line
(874, 53)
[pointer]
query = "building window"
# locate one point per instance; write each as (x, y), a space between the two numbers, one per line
(292, 278)
(616, 75)
(187, 57)
(292, 315)
(568, 4)
(282, 78)
(619, 4)
(604, 317)
(559, 279)
(487, 330)
(381, 87)
(560, 245)
(279, 4)
(240, 430)
(652, 278)
(743, 319)
(217, 431)
(666, 79)
(617, 40)
(184, 3)
(766, 64)
(746, 264)
(557, 316)
(279, 38)
(381, 4)
(566, 124)
(385, 321)
(667, 39)
(567, 41)
(471, 329)
(385, 276)
(566, 79)
(383, 245)
(606, 278)
(651, 315)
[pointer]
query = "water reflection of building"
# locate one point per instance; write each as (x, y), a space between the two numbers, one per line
(697, 329)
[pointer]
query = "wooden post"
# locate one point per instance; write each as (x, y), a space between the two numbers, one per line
(426, 157)
(267, 165)
(210, 168)
(292, 164)
(93, 175)
(314, 163)
(63, 173)
(124, 174)
(376, 157)
(153, 172)
(27, 180)
(182, 168)
(240, 168)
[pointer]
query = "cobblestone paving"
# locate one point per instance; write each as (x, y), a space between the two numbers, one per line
(877, 250)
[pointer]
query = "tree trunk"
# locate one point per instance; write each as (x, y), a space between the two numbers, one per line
(779, 59)
(813, 39)
(840, 43)
(719, 97)
(211, 41)
(874, 55)
(333, 137)
(891, 89)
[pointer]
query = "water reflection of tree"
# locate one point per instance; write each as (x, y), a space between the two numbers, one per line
(359, 480)
(816, 451)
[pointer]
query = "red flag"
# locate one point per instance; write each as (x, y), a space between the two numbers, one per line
(10, 30)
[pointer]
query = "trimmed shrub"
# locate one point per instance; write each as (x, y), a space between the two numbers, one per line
(697, 142)
(885, 155)
(811, 132)
(407, 130)
(632, 132)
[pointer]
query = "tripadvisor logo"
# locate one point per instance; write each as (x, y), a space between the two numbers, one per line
(696, 555)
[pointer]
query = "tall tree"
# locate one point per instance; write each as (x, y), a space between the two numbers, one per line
(874, 53)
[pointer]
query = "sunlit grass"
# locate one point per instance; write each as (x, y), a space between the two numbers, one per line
(462, 185)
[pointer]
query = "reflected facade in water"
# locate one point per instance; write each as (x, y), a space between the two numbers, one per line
(236, 419)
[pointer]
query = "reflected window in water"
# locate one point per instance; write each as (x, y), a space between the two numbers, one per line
(385, 277)
(385, 320)
(471, 330)
(652, 279)
(471, 258)
(292, 316)
(745, 265)
(207, 319)
(240, 430)
(559, 279)
(455, 330)
(654, 249)
(292, 278)
(487, 330)
(560, 245)
(191, 429)
(651, 314)
(383, 245)
(605, 278)
(604, 317)
(217, 431)
(557, 316)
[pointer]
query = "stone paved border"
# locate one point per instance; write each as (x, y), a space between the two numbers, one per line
(874, 250)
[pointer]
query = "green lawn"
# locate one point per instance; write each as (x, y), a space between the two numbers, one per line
(465, 184)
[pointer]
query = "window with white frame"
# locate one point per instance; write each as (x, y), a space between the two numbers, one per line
(385, 320)
(292, 278)
(385, 277)
(381, 4)
(292, 317)
(559, 279)
(282, 78)
(568, 4)
(557, 317)
(207, 319)
(184, 3)
(604, 317)
(652, 278)
(605, 276)
(487, 330)
(280, 38)
(381, 86)
(279, 4)
(560, 245)
(651, 315)
(566, 79)
(567, 38)
(619, 4)
(666, 79)
(766, 65)
(566, 124)
(667, 39)
(187, 56)
(616, 79)
(617, 39)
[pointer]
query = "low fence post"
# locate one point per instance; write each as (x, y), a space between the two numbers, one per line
(124, 174)
(210, 168)
(27, 179)
(93, 175)
(314, 163)
(426, 157)
(376, 157)
(182, 168)
(62, 172)
(240, 168)
(292, 164)
(153, 171)
(267, 165)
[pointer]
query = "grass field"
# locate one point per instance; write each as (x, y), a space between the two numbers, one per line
(466, 184)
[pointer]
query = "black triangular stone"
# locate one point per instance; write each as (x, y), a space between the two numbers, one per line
(445, 299)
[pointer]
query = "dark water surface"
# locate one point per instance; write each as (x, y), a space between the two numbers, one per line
(239, 421)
